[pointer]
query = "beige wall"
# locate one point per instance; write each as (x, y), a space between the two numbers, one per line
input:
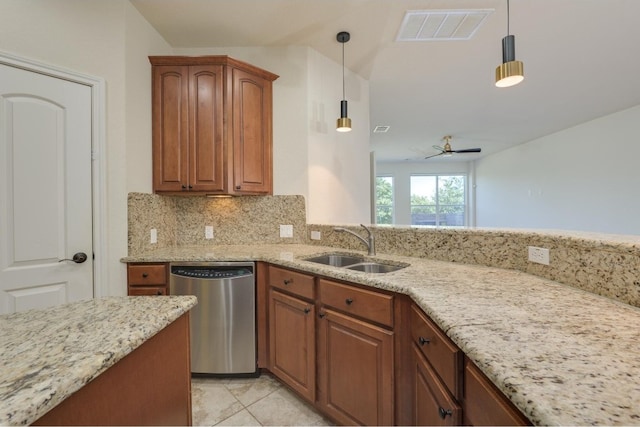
(97, 38)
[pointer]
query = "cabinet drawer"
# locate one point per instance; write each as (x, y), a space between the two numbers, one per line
(374, 306)
(147, 290)
(291, 281)
(443, 355)
(147, 274)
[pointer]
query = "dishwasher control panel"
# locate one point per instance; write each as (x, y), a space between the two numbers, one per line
(211, 272)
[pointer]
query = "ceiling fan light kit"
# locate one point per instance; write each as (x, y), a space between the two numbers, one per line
(510, 72)
(343, 124)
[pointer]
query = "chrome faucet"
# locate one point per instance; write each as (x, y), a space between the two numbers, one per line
(369, 241)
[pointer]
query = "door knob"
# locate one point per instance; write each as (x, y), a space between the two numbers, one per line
(78, 258)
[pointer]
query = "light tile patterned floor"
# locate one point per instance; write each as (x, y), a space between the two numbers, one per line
(249, 402)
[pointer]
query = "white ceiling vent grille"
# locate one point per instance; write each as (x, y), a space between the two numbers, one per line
(381, 129)
(439, 25)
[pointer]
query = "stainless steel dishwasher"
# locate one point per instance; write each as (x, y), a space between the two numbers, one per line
(223, 323)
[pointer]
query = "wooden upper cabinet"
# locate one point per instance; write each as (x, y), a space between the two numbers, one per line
(212, 126)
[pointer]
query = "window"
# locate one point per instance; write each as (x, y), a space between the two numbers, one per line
(384, 200)
(438, 200)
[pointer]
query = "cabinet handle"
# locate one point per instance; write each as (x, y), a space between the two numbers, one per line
(307, 310)
(444, 412)
(321, 315)
(349, 301)
(238, 187)
(184, 187)
(145, 275)
(424, 341)
(288, 281)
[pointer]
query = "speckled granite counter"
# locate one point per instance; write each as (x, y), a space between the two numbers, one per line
(46, 355)
(562, 355)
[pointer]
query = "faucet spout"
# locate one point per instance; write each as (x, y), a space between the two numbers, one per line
(369, 241)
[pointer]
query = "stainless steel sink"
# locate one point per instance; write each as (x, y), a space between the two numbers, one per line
(336, 260)
(355, 263)
(374, 267)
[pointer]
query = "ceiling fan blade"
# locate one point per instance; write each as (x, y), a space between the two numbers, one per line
(437, 147)
(434, 155)
(468, 150)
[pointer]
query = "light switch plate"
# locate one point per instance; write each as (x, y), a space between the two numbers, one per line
(208, 232)
(286, 231)
(153, 236)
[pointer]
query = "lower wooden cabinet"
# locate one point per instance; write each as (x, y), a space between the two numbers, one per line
(370, 357)
(484, 404)
(292, 342)
(355, 370)
(147, 279)
(433, 403)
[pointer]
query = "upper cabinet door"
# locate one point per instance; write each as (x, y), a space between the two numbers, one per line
(170, 124)
(206, 155)
(252, 134)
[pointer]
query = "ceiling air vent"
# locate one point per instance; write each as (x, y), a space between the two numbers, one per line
(439, 25)
(381, 129)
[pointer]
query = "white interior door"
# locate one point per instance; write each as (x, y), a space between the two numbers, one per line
(45, 190)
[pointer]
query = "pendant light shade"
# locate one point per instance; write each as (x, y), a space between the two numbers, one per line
(344, 122)
(510, 72)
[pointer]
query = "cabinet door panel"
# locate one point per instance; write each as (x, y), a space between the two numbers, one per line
(170, 128)
(252, 133)
(356, 370)
(206, 159)
(292, 346)
(434, 406)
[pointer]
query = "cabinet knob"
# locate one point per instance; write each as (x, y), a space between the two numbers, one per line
(423, 340)
(321, 315)
(145, 275)
(307, 310)
(159, 293)
(444, 412)
(238, 187)
(288, 281)
(349, 301)
(190, 187)
(184, 187)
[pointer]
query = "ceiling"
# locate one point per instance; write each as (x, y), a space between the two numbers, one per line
(580, 59)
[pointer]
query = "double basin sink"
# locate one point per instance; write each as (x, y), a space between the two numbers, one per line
(355, 263)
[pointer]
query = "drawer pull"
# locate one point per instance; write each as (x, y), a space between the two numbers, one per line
(159, 293)
(288, 281)
(307, 310)
(349, 301)
(444, 412)
(423, 340)
(145, 275)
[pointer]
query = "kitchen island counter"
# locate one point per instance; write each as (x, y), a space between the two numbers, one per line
(47, 355)
(562, 355)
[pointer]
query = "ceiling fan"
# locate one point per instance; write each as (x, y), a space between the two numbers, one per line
(447, 151)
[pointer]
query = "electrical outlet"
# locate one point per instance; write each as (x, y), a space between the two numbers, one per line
(315, 235)
(539, 255)
(153, 236)
(286, 231)
(208, 231)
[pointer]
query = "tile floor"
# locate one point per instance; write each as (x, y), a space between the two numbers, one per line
(259, 401)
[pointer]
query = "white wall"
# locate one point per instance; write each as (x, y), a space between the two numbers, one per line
(401, 173)
(330, 169)
(94, 38)
(582, 178)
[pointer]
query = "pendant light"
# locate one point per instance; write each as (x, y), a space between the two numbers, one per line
(510, 72)
(344, 122)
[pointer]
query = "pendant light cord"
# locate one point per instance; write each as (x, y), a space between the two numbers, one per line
(508, 33)
(343, 91)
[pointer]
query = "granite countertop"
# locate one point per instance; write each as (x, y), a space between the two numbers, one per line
(562, 355)
(46, 355)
